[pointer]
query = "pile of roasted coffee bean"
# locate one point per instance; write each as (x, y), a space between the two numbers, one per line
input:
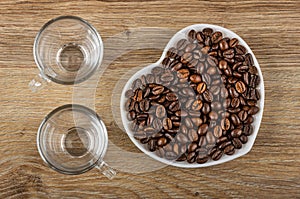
(199, 103)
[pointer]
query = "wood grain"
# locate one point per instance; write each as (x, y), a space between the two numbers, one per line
(270, 170)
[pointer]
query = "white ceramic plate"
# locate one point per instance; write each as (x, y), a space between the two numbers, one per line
(257, 117)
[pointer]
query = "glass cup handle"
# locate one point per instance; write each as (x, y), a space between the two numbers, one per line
(38, 83)
(104, 168)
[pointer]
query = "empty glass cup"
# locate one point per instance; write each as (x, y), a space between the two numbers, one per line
(67, 50)
(72, 139)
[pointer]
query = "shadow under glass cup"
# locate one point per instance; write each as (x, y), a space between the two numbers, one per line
(72, 139)
(67, 50)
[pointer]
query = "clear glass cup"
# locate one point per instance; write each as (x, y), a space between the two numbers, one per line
(72, 139)
(67, 50)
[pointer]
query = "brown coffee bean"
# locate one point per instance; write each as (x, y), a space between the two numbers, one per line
(202, 130)
(235, 102)
(216, 106)
(167, 77)
(240, 87)
(201, 158)
(171, 97)
(157, 90)
(229, 149)
(195, 78)
(237, 143)
(224, 145)
(217, 155)
(152, 145)
(193, 135)
(205, 49)
(186, 58)
(240, 50)
(229, 53)
(197, 105)
(235, 120)
(216, 37)
(191, 157)
(213, 115)
(233, 42)
(167, 123)
(192, 147)
(160, 111)
(162, 141)
(249, 59)
(244, 139)
(188, 122)
(223, 64)
(205, 108)
(207, 96)
(236, 133)
(225, 124)
(210, 137)
(243, 115)
(233, 93)
(201, 87)
(218, 131)
(190, 47)
(174, 106)
(253, 110)
(181, 44)
(183, 73)
(192, 35)
(223, 45)
(248, 130)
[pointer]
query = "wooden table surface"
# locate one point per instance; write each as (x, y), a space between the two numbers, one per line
(270, 170)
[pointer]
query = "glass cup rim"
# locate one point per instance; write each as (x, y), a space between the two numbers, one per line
(48, 116)
(37, 39)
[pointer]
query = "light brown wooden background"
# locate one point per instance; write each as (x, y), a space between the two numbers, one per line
(270, 170)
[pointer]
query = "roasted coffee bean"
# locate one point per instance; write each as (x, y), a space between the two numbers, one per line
(195, 78)
(206, 108)
(223, 45)
(188, 122)
(210, 137)
(249, 120)
(233, 93)
(167, 123)
(228, 150)
(152, 145)
(243, 115)
(202, 130)
(236, 133)
(218, 131)
(224, 145)
(190, 47)
(243, 69)
(235, 102)
(197, 105)
(205, 49)
(216, 106)
(188, 91)
(193, 135)
(225, 124)
(249, 59)
(192, 147)
(161, 141)
(229, 53)
(240, 87)
(167, 77)
(233, 42)
(183, 73)
(244, 139)
(191, 157)
(240, 50)
(207, 96)
(248, 130)
(200, 36)
(157, 90)
(202, 158)
(181, 44)
(213, 115)
(160, 111)
(217, 155)
(253, 110)
(216, 37)
(235, 120)
(201, 87)
(174, 106)
(186, 58)
(223, 64)
(192, 35)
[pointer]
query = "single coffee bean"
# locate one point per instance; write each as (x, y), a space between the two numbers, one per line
(243, 115)
(223, 64)
(202, 130)
(201, 87)
(223, 45)
(157, 90)
(217, 155)
(192, 35)
(174, 106)
(192, 147)
(232, 92)
(253, 110)
(237, 143)
(210, 137)
(206, 108)
(152, 145)
(229, 53)
(235, 120)
(201, 158)
(186, 58)
(235, 102)
(207, 96)
(183, 73)
(195, 78)
(188, 122)
(225, 124)
(167, 123)
(240, 87)
(216, 37)
(248, 130)
(197, 105)
(171, 97)
(181, 44)
(193, 135)
(240, 50)
(160, 111)
(233, 42)
(218, 131)
(236, 133)
(244, 139)
(167, 77)
(196, 121)
(229, 149)
(162, 141)
(224, 145)
(190, 47)
(249, 59)
(213, 115)
(191, 157)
